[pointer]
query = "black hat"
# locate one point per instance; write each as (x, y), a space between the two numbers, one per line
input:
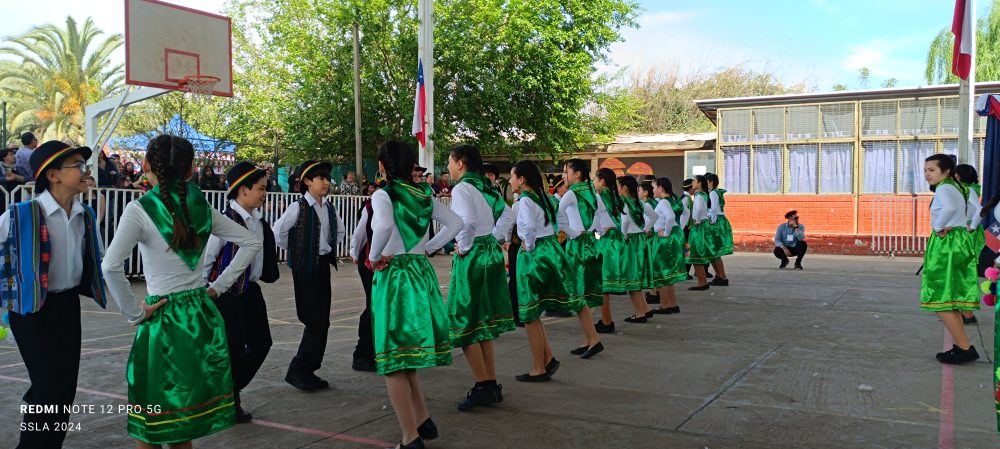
(51, 154)
(240, 173)
(420, 169)
(303, 170)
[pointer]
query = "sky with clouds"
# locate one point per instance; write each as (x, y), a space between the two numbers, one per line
(818, 42)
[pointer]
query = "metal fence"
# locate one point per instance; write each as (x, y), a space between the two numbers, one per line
(900, 225)
(110, 203)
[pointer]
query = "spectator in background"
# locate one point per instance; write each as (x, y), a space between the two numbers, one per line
(418, 174)
(370, 190)
(107, 171)
(444, 185)
(492, 172)
(272, 179)
(207, 179)
(23, 156)
(8, 172)
(349, 186)
(790, 240)
(430, 180)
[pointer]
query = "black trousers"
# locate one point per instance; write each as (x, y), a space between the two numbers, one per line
(247, 331)
(799, 251)
(312, 305)
(49, 342)
(365, 349)
(512, 279)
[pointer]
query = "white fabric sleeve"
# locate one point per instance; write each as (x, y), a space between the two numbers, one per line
(650, 216)
(131, 227)
(686, 215)
(451, 225)
(382, 224)
(715, 209)
(4, 229)
(359, 237)
(661, 219)
(569, 216)
(504, 225)
(700, 209)
(946, 204)
(974, 209)
(285, 224)
(462, 205)
(626, 222)
(527, 229)
(341, 231)
(212, 249)
(249, 246)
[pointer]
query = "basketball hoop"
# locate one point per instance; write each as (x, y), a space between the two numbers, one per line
(198, 84)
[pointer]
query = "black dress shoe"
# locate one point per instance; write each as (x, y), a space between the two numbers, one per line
(675, 309)
(242, 417)
(304, 383)
(635, 319)
(798, 266)
(428, 430)
(719, 282)
(580, 350)
(367, 365)
(415, 444)
(527, 377)
(478, 396)
(552, 367)
(958, 356)
(652, 299)
(970, 320)
(699, 289)
(593, 350)
(604, 328)
(662, 311)
(322, 384)
(783, 265)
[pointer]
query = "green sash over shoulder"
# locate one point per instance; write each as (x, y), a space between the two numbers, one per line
(635, 211)
(493, 197)
(722, 199)
(962, 188)
(586, 202)
(978, 188)
(412, 207)
(550, 212)
(677, 204)
(614, 207)
(198, 210)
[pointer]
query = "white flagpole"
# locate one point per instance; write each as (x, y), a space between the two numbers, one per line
(967, 98)
(425, 50)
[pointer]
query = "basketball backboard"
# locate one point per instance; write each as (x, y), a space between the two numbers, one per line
(165, 43)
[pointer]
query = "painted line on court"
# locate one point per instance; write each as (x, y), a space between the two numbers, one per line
(94, 351)
(130, 334)
(946, 429)
(305, 430)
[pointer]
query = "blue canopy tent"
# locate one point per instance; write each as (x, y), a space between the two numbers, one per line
(202, 143)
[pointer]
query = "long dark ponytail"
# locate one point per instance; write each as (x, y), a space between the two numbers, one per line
(581, 166)
(704, 188)
(667, 186)
(398, 159)
(170, 158)
(631, 185)
(533, 179)
(610, 182)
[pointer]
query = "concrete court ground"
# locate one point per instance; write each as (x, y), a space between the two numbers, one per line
(837, 356)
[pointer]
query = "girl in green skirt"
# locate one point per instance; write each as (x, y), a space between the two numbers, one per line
(410, 321)
(700, 251)
(966, 174)
(608, 222)
(720, 230)
(577, 209)
(544, 277)
(635, 223)
(648, 198)
(178, 369)
(478, 300)
(948, 285)
(667, 261)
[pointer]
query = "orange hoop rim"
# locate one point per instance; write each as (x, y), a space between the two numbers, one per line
(198, 84)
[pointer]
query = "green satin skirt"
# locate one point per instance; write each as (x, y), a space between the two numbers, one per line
(409, 320)
(179, 372)
(585, 260)
(950, 281)
(635, 255)
(700, 250)
(545, 281)
(478, 297)
(978, 242)
(667, 259)
(722, 237)
(610, 246)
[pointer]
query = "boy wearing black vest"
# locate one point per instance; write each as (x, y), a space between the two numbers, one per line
(242, 306)
(310, 230)
(41, 293)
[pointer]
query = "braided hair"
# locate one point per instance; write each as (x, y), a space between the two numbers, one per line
(170, 158)
(533, 179)
(398, 159)
(610, 182)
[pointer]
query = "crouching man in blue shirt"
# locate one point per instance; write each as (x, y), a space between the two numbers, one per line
(790, 240)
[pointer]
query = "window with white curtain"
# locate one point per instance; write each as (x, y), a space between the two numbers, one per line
(837, 165)
(736, 163)
(802, 168)
(911, 174)
(880, 167)
(767, 169)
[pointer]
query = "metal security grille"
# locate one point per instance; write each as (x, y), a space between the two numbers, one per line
(918, 117)
(803, 122)
(838, 120)
(768, 124)
(734, 125)
(879, 118)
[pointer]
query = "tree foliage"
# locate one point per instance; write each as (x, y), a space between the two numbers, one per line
(510, 75)
(939, 55)
(55, 74)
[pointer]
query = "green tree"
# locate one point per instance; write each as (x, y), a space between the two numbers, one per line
(939, 54)
(56, 73)
(838, 87)
(510, 75)
(891, 82)
(864, 74)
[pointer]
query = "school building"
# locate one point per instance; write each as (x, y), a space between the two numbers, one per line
(850, 162)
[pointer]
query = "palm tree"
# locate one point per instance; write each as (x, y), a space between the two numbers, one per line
(56, 74)
(938, 69)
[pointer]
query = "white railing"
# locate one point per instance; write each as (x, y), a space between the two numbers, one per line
(900, 225)
(110, 203)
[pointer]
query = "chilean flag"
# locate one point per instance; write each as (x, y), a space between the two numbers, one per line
(962, 26)
(420, 107)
